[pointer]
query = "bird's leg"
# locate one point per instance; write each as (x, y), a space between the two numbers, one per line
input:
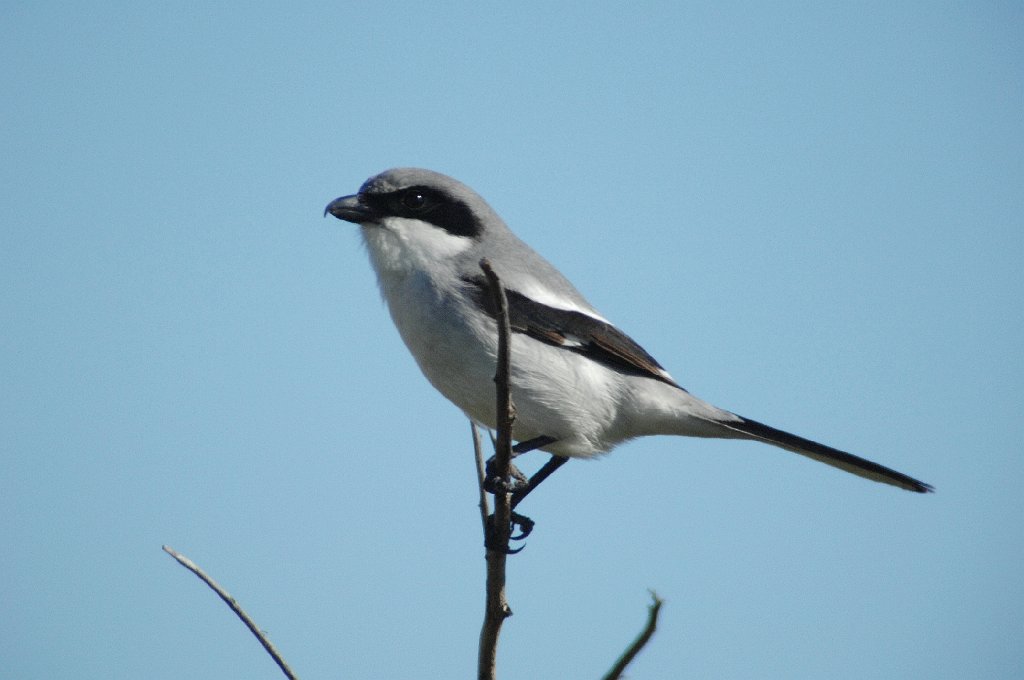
(549, 468)
(521, 486)
(493, 484)
(532, 445)
(524, 523)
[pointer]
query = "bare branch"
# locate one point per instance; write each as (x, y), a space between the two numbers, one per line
(499, 529)
(485, 508)
(235, 607)
(642, 640)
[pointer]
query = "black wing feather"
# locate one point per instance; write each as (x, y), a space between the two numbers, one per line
(573, 331)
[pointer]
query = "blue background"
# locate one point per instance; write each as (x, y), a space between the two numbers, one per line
(811, 214)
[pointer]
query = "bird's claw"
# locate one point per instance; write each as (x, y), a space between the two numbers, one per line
(522, 522)
(495, 483)
(525, 525)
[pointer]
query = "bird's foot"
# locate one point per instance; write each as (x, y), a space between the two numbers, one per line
(495, 483)
(517, 482)
(521, 522)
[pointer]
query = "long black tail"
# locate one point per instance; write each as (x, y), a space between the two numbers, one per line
(826, 454)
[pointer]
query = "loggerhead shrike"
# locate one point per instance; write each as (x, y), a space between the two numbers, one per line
(580, 385)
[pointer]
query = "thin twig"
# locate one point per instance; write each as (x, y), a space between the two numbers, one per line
(499, 529)
(485, 508)
(638, 644)
(235, 607)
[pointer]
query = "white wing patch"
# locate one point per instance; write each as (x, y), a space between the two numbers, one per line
(545, 296)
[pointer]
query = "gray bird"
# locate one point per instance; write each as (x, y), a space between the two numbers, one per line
(580, 385)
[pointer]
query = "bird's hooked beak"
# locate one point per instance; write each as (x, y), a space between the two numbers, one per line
(350, 209)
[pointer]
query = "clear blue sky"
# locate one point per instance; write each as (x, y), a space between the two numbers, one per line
(811, 215)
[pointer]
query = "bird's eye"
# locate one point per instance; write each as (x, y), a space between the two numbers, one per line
(414, 199)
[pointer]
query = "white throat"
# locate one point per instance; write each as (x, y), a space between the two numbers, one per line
(400, 246)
